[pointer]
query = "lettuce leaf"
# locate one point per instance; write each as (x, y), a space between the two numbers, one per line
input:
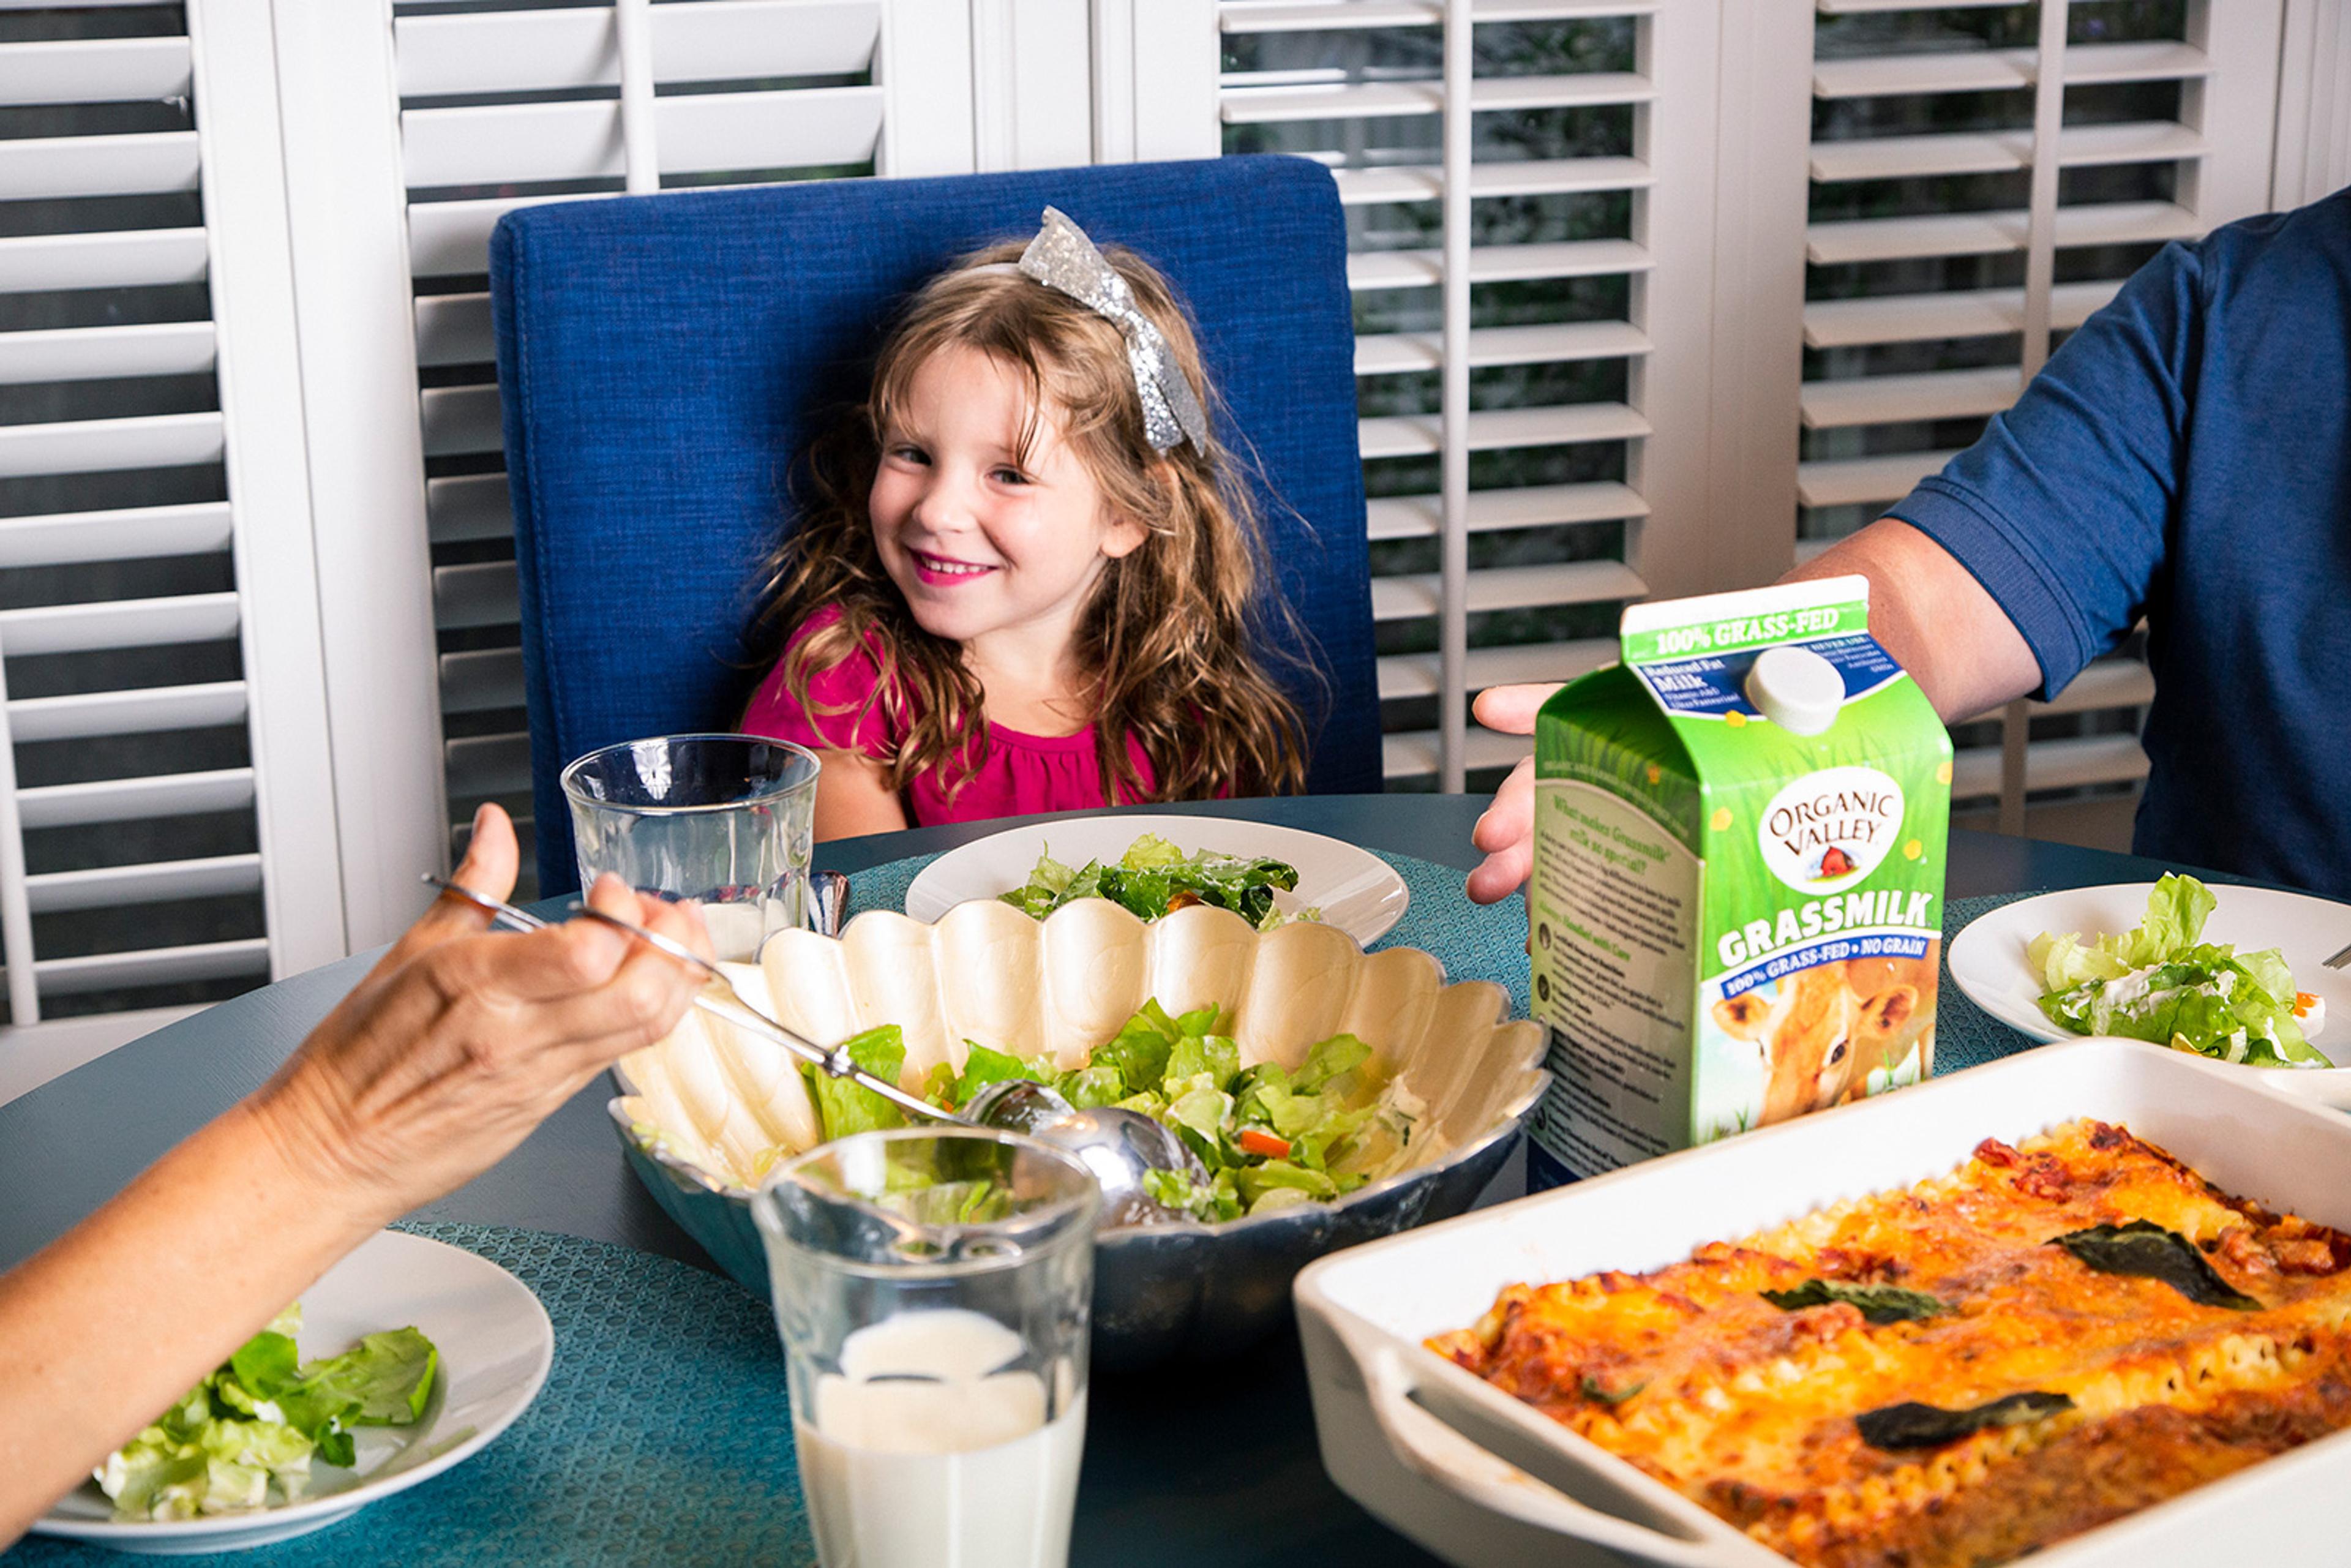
(1150, 853)
(267, 1364)
(1203, 1110)
(1139, 1050)
(261, 1417)
(155, 1476)
(1087, 1087)
(2159, 982)
(845, 1106)
(1256, 1181)
(1152, 876)
(1334, 1058)
(1213, 1054)
(2176, 912)
(382, 1381)
(1209, 1202)
(1052, 885)
(982, 1067)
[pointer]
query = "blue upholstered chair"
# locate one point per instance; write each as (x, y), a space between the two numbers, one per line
(663, 359)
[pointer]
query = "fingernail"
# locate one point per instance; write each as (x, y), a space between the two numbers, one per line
(481, 814)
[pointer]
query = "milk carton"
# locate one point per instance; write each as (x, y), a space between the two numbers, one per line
(1737, 898)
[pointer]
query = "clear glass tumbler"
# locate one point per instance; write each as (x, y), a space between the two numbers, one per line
(724, 819)
(932, 1287)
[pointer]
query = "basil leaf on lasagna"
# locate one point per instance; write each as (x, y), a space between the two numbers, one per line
(1593, 1390)
(2147, 1250)
(1915, 1425)
(1878, 1304)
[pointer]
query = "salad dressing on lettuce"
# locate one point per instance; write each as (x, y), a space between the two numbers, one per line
(2159, 982)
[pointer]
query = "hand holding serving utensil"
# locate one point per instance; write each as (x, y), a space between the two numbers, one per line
(742, 1013)
(1119, 1146)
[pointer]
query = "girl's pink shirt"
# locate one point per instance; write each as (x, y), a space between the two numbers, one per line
(1021, 774)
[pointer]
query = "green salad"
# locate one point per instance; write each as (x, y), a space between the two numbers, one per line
(1269, 1137)
(1155, 876)
(2159, 982)
(261, 1418)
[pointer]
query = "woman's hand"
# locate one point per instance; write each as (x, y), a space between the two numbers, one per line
(444, 1057)
(460, 1040)
(1506, 832)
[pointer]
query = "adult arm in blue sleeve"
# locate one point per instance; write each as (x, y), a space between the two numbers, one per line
(2031, 553)
(2061, 510)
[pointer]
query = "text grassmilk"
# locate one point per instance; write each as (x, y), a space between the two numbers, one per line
(928, 1450)
(1736, 906)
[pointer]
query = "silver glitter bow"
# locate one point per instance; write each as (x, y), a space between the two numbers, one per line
(1063, 259)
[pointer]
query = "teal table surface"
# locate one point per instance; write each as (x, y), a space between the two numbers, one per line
(1213, 1465)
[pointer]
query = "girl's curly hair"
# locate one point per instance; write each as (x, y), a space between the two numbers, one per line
(1169, 639)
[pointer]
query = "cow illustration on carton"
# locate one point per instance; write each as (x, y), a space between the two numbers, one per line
(1827, 1020)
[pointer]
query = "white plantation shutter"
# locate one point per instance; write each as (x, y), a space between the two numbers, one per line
(1981, 179)
(1531, 413)
(1637, 283)
(1941, 258)
(164, 837)
(501, 106)
(2313, 111)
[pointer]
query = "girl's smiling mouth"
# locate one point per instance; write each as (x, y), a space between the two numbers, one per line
(941, 569)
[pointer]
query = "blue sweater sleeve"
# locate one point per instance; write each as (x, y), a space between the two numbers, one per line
(2062, 507)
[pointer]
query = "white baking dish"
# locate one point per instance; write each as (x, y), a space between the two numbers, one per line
(1479, 1478)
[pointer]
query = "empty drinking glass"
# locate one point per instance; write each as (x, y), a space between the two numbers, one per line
(933, 1287)
(725, 819)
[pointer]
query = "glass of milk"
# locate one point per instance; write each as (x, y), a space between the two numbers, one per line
(932, 1286)
(724, 819)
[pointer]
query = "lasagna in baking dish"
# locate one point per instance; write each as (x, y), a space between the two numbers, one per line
(1959, 1372)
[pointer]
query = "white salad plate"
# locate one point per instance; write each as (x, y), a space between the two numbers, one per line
(495, 1346)
(1355, 889)
(1987, 961)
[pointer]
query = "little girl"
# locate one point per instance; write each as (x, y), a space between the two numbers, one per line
(1028, 580)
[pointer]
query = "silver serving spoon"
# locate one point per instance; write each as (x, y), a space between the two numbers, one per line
(1118, 1146)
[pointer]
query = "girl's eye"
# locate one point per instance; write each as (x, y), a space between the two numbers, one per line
(904, 453)
(1009, 476)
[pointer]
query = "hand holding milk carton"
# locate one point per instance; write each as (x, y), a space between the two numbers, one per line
(1736, 906)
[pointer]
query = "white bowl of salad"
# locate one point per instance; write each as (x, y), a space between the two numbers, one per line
(2230, 973)
(1332, 1096)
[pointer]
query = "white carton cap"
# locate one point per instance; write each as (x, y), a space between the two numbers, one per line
(1796, 689)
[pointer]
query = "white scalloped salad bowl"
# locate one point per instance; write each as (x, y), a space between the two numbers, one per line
(708, 1110)
(731, 1105)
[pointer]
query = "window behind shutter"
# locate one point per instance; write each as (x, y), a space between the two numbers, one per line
(139, 850)
(1949, 249)
(1562, 422)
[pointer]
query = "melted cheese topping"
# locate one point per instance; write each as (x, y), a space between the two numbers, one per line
(1691, 1374)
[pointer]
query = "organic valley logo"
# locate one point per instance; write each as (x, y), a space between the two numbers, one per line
(1828, 829)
